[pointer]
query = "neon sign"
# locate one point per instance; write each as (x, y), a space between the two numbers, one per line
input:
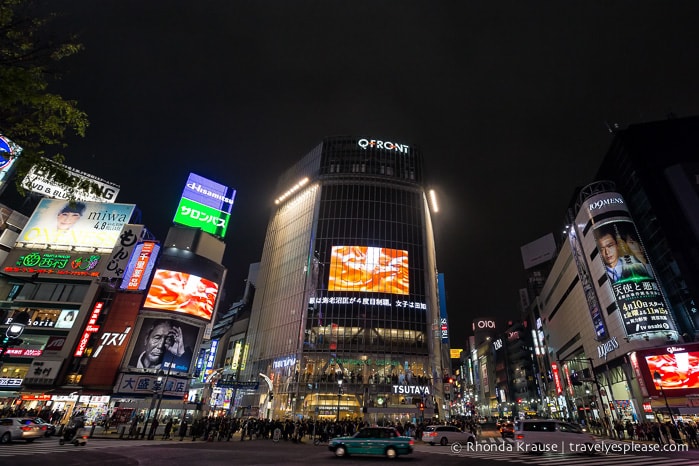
(59, 264)
(91, 328)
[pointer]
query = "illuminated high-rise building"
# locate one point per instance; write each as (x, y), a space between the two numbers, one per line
(346, 322)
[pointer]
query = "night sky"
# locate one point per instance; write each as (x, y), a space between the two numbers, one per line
(509, 101)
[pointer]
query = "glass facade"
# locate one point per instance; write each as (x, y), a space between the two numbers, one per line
(345, 317)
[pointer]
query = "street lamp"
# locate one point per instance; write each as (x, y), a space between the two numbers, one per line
(339, 394)
(13, 332)
(659, 379)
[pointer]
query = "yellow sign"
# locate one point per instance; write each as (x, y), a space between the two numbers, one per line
(455, 353)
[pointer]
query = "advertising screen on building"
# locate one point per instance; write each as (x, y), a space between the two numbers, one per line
(63, 225)
(206, 205)
(674, 369)
(368, 269)
(630, 274)
(182, 292)
(164, 344)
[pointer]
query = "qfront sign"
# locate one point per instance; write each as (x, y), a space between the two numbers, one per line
(384, 145)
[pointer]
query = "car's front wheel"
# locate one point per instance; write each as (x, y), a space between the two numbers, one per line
(391, 452)
(340, 451)
(444, 441)
(6, 438)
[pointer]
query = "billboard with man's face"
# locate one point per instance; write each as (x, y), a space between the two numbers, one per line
(166, 344)
(62, 225)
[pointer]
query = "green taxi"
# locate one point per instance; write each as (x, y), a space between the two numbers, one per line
(373, 441)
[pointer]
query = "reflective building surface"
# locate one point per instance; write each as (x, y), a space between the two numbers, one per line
(345, 320)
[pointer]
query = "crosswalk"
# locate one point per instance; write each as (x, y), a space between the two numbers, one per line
(44, 446)
(496, 449)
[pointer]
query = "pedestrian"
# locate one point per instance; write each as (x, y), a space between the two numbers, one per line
(168, 429)
(183, 429)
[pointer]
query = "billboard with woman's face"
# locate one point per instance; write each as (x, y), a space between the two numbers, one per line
(368, 269)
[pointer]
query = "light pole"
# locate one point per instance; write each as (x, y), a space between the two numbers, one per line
(339, 394)
(659, 379)
(13, 332)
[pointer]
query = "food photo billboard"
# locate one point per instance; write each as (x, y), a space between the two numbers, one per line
(369, 269)
(677, 367)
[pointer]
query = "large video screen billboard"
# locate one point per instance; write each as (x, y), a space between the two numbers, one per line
(368, 269)
(164, 344)
(676, 366)
(182, 292)
(62, 225)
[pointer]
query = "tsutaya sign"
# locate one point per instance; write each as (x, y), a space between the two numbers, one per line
(386, 145)
(411, 389)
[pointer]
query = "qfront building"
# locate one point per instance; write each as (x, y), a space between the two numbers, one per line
(345, 320)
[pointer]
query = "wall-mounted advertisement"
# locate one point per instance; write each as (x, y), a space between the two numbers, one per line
(63, 225)
(86, 187)
(182, 292)
(55, 264)
(616, 256)
(206, 205)
(631, 277)
(164, 344)
(140, 266)
(672, 369)
(368, 269)
(44, 317)
(129, 237)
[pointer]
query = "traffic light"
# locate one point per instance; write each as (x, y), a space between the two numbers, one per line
(575, 379)
(422, 406)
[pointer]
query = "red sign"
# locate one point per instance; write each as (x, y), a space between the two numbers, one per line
(556, 378)
(36, 397)
(91, 328)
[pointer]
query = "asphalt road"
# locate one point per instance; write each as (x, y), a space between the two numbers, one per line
(492, 451)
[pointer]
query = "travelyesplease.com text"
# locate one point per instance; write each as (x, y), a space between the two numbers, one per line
(600, 447)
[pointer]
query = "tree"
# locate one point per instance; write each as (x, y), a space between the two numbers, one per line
(31, 116)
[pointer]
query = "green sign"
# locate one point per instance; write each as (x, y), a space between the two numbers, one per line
(193, 214)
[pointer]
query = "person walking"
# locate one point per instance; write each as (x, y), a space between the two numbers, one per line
(183, 429)
(168, 429)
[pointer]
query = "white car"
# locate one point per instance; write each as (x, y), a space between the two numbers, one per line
(19, 428)
(446, 435)
(538, 436)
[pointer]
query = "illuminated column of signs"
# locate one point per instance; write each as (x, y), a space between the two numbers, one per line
(91, 328)
(622, 257)
(139, 268)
